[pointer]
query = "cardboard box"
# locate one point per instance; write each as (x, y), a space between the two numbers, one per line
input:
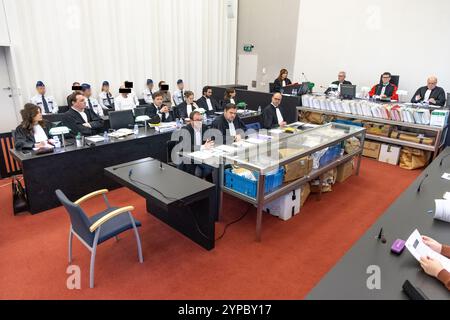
(389, 154)
(378, 129)
(297, 169)
(286, 206)
(344, 171)
(306, 191)
(372, 149)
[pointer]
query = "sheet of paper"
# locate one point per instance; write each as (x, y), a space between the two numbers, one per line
(96, 138)
(225, 148)
(446, 176)
(442, 211)
(447, 196)
(201, 155)
(276, 131)
(418, 249)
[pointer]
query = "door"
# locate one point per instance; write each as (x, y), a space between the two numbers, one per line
(248, 70)
(8, 117)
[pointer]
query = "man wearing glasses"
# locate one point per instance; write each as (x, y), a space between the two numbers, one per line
(384, 90)
(230, 125)
(431, 93)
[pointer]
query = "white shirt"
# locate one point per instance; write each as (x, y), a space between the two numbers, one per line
(232, 129)
(178, 97)
(122, 103)
(83, 115)
(135, 98)
(51, 103)
(210, 107)
(147, 95)
(95, 106)
(283, 83)
(39, 134)
(383, 90)
(279, 115)
(232, 101)
(198, 137)
(427, 95)
(103, 100)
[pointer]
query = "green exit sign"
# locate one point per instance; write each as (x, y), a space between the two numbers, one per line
(248, 47)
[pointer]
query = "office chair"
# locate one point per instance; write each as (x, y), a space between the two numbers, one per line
(141, 102)
(121, 119)
(140, 111)
(95, 230)
(271, 87)
(395, 79)
(63, 109)
(253, 126)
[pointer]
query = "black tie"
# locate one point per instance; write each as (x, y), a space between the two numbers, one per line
(44, 101)
(90, 104)
(109, 100)
(182, 99)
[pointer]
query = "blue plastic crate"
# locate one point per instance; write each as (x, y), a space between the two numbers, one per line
(249, 187)
(332, 153)
(349, 122)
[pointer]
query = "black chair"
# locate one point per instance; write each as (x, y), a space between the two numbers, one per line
(141, 102)
(140, 111)
(394, 79)
(271, 87)
(63, 109)
(121, 119)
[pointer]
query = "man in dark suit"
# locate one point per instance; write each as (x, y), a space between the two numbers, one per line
(82, 120)
(271, 116)
(158, 108)
(385, 89)
(230, 125)
(431, 93)
(207, 102)
(195, 132)
(341, 80)
(185, 109)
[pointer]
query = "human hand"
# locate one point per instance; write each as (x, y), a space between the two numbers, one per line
(433, 244)
(283, 124)
(418, 98)
(431, 266)
(87, 125)
(237, 138)
(432, 100)
(209, 144)
(40, 144)
(164, 109)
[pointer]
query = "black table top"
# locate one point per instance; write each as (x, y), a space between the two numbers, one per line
(71, 145)
(348, 279)
(168, 184)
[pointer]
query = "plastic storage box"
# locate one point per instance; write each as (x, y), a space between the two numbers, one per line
(286, 206)
(248, 187)
(332, 153)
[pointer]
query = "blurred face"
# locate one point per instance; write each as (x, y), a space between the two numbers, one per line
(197, 121)
(41, 90)
(150, 86)
(386, 79)
(180, 86)
(276, 100)
(106, 88)
(233, 94)
(38, 117)
(230, 115)
(80, 104)
(341, 77)
(87, 93)
(209, 93)
(190, 99)
(284, 76)
(431, 83)
(158, 101)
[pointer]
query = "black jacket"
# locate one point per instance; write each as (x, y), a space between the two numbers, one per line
(24, 140)
(221, 124)
(437, 94)
(390, 91)
(269, 117)
(181, 110)
(277, 84)
(74, 121)
(337, 83)
(190, 129)
(201, 103)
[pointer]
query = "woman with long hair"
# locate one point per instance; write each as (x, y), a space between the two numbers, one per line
(32, 132)
(281, 81)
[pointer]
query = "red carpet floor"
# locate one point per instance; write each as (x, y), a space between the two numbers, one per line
(290, 261)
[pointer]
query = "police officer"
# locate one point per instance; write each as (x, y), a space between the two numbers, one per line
(91, 103)
(148, 92)
(46, 103)
(178, 96)
(105, 98)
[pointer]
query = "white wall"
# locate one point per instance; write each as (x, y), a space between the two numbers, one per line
(366, 37)
(271, 26)
(96, 40)
(4, 35)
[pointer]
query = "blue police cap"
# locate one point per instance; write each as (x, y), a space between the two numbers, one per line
(40, 84)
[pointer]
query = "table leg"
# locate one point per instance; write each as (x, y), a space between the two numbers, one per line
(260, 203)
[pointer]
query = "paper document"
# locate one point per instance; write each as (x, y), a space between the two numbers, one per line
(446, 176)
(447, 196)
(276, 131)
(419, 249)
(442, 211)
(225, 148)
(201, 155)
(96, 138)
